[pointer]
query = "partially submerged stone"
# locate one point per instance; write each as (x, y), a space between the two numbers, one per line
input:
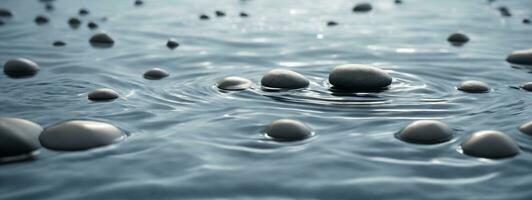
(20, 67)
(332, 23)
(76, 135)
(101, 39)
(204, 17)
(527, 86)
(19, 138)
(172, 43)
(284, 79)
(219, 13)
(473, 86)
(362, 7)
(41, 19)
(233, 83)
(458, 38)
(288, 130)
(523, 57)
(426, 132)
(155, 74)
(359, 77)
(4, 12)
(92, 25)
(490, 144)
(526, 128)
(103, 94)
(83, 11)
(59, 43)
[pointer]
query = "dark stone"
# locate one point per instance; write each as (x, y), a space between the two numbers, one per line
(204, 17)
(2, 23)
(76, 135)
(102, 38)
(359, 77)
(41, 19)
(59, 43)
(103, 94)
(83, 11)
(490, 144)
(4, 12)
(458, 38)
(284, 79)
(233, 83)
(18, 137)
(332, 23)
(172, 44)
(243, 14)
(73, 21)
(155, 74)
(92, 25)
(49, 6)
(526, 128)
(473, 86)
(20, 67)
(426, 132)
(523, 57)
(398, 1)
(288, 130)
(526, 21)
(139, 2)
(362, 7)
(219, 13)
(504, 11)
(527, 86)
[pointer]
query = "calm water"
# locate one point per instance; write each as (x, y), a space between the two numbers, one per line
(189, 140)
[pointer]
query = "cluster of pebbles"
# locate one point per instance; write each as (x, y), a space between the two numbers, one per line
(20, 138)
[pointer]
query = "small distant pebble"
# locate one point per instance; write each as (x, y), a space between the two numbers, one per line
(504, 11)
(490, 144)
(426, 132)
(103, 94)
(77, 135)
(83, 11)
(2, 23)
(73, 21)
(139, 2)
(92, 25)
(102, 38)
(20, 67)
(233, 83)
(332, 23)
(49, 6)
(284, 79)
(527, 86)
(473, 86)
(362, 7)
(18, 137)
(526, 128)
(219, 13)
(155, 74)
(172, 43)
(359, 77)
(398, 1)
(41, 19)
(243, 14)
(523, 57)
(4, 12)
(288, 130)
(458, 38)
(526, 21)
(204, 17)
(59, 43)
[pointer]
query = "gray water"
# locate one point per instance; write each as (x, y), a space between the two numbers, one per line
(190, 140)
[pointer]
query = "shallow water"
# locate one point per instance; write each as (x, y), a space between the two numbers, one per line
(190, 140)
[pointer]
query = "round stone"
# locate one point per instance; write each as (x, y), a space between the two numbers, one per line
(4, 12)
(233, 83)
(103, 94)
(18, 137)
(473, 86)
(41, 19)
(204, 17)
(92, 25)
(523, 57)
(243, 14)
(426, 132)
(155, 74)
(490, 144)
(59, 43)
(359, 77)
(526, 21)
(288, 130)
(101, 38)
(83, 11)
(362, 7)
(219, 13)
(526, 128)
(172, 43)
(20, 67)
(75, 135)
(458, 38)
(332, 23)
(138, 2)
(527, 86)
(73, 21)
(49, 6)
(284, 79)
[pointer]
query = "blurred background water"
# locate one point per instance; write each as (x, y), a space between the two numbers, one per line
(190, 140)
